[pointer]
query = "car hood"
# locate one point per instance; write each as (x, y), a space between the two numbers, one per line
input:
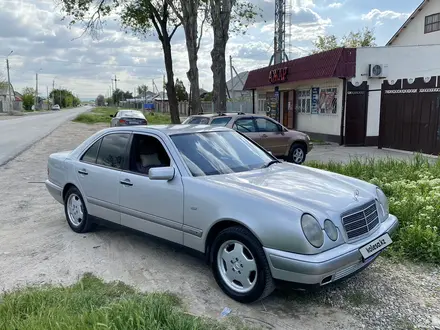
(301, 187)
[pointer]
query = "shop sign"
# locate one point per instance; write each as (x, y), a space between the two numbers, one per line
(315, 99)
(278, 75)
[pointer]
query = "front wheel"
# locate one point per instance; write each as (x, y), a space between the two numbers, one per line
(240, 266)
(297, 154)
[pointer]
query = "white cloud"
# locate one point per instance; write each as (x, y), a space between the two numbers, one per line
(335, 5)
(376, 14)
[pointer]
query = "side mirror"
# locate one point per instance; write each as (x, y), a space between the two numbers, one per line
(161, 173)
(111, 116)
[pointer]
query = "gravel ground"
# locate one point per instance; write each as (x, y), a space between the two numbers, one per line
(37, 246)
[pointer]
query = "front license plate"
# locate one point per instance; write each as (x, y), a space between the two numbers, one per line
(375, 246)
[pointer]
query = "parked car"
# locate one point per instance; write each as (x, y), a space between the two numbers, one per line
(56, 107)
(282, 142)
(211, 189)
(128, 118)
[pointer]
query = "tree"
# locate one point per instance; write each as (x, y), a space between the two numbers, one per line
(361, 38)
(142, 90)
(28, 98)
(100, 100)
(118, 96)
(187, 13)
(182, 95)
(64, 98)
(138, 16)
(128, 95)
(223, 12)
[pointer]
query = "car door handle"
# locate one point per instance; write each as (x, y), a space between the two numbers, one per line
(126, 182)
(83, 172)
(263, 135)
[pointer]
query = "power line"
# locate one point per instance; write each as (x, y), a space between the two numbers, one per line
(91, 63)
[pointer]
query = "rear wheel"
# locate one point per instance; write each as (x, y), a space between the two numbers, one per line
(240, 267)
(76, 212)
(297, 153)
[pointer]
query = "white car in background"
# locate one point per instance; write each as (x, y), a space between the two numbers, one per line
(56, 107)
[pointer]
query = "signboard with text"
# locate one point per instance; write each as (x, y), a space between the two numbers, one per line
(278, 75)
(315, 99)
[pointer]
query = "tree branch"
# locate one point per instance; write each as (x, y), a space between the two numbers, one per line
(205, 15)
(175, 29)
(92, 21)
(156, 26)
(176, 12)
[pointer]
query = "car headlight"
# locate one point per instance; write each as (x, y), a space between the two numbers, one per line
(312, 230)
(331, 230)
(383, 201)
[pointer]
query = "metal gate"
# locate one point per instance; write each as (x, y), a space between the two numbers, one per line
(410, 115)
(356, 114)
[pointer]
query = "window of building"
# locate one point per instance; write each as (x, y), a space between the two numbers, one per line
(91, 154)
(112, 150)
(303, 101)
(432, 23)
(328, 101)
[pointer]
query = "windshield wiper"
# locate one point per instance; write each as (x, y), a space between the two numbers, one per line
(271, 163)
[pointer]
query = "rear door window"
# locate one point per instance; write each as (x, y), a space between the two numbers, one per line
(221, 121)
(91, 154)
(113, 150)
(199, 120)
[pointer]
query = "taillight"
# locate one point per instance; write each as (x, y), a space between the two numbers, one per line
(122, 121)
(144, 122)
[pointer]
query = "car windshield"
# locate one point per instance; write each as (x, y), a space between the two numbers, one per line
(211, 153)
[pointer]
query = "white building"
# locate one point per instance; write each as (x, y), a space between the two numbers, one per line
(381, 96)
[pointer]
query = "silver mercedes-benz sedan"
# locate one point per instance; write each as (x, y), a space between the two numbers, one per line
(257, 220)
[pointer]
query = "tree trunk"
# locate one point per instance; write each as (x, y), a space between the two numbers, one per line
(220, 16)
(189, 20)
(170, 86)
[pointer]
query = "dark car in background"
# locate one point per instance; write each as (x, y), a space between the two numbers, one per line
(128, 118)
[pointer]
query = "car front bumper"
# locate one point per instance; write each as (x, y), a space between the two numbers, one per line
(326, 267)
(55, 190)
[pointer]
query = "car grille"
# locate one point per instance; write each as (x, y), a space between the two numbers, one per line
(361, 220)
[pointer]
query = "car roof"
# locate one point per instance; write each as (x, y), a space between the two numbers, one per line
(218, 114)
(171, 129)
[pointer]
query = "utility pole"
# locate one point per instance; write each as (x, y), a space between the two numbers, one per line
(47, 98)
(11, 104)
(231, 92)
(36, 91)
(116, 83)
(163, 93)
(53, 91)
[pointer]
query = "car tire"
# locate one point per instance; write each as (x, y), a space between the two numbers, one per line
(76, 212)
(223, 266)
(297, 153)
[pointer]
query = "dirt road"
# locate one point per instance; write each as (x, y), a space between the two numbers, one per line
(37, 246)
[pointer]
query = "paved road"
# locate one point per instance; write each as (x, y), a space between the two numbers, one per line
(18, 134)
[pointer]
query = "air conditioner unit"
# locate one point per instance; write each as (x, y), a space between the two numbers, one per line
(378, 70)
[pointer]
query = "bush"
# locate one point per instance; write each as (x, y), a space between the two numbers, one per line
(93, 304)
(413, 189)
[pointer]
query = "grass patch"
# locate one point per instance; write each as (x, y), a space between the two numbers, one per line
(102, 115)
(413, 189)
(93, 304)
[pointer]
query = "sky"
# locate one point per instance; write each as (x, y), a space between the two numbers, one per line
(42, 42)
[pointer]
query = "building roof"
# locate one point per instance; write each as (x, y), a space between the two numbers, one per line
(408, 21)
(335, 63)
(239, 81)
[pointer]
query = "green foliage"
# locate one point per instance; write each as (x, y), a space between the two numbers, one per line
(119, 95)
(28, 98)
(142, 90)
(100, 100)
(413, 189)
(92, 304)
(102, 115)
(361, 38)
(181, 92)
(244, 13)
(64, 98)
